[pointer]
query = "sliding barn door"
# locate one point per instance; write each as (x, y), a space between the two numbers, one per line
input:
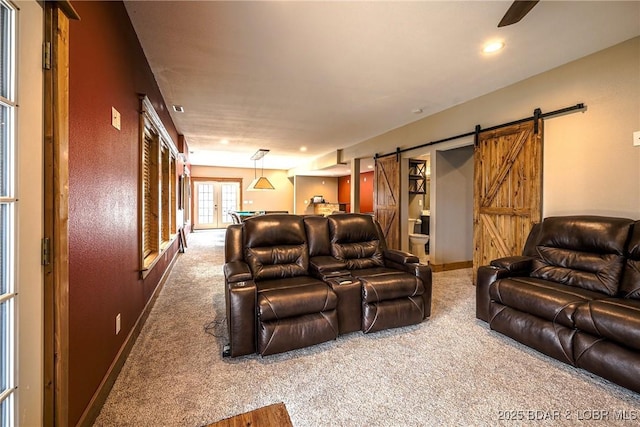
(387, 199)
(507, 191)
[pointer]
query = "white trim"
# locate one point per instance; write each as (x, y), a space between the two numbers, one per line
(150, 112)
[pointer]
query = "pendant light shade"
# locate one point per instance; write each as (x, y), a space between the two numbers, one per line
(259, 183)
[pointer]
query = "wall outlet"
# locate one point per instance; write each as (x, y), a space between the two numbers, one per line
(118, 324)
(115, 118)
(636, 138)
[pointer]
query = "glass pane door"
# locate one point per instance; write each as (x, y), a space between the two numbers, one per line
(8, 202)
(213, 202)
(230, 201)
(205, 205)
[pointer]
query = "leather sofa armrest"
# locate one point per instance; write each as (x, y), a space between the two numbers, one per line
(410, 263)
(499, 269)
(519, 264)
(400, 257)
(237, 271)
(326, 266)
(242, 322)
(423, 272)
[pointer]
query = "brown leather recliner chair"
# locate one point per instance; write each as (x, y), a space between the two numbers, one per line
(273, 305)
(396, 289)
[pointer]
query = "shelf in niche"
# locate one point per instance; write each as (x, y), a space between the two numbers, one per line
(417, 176)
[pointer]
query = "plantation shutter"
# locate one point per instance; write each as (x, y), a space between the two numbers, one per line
(174, 195)
(165, 190)
(157, 193)
(146, 185)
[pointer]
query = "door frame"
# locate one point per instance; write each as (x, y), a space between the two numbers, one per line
(57, 15)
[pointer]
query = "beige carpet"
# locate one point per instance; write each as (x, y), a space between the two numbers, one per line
(449, 370)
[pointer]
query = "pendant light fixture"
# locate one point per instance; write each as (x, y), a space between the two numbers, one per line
(260, 183)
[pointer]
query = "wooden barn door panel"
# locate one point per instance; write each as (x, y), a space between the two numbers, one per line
(507, 191)
(387, 199)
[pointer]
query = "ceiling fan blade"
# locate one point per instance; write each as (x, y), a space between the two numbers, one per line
(517, 11)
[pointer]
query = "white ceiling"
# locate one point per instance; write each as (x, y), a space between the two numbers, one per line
(330, 74)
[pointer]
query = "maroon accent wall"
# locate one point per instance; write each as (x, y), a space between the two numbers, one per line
(107, 68)
(366, 191)
(344, 191)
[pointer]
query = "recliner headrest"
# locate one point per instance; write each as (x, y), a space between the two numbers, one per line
(274, 230)
(596, 234)
(352, 228)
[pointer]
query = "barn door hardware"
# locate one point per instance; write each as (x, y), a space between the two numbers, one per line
(537, 115)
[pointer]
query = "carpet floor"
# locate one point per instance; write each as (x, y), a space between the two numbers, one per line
(449, 370)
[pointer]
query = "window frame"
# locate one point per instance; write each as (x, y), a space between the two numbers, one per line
(157, 205)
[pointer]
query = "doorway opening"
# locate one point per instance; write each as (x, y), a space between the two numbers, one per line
(452, 209)
(439, 185)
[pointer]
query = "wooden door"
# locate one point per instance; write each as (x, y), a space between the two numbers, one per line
(507, 191)
(387, 199)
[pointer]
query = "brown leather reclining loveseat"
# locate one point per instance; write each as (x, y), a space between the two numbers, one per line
(573, 295)
(293, 281)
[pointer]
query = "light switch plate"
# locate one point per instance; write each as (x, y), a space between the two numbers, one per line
(636, 138)
(115, 118)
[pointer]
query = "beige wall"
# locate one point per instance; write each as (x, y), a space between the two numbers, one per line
(280, 199)
(30, 216)
(283, 197)
(590, 165)
(308, 186)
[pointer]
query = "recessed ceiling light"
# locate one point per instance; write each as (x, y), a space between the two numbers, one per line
(303, 148)
(178, 109)
(224, 141)
(492, 47)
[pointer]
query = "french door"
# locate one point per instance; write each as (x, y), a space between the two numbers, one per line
(21, 213)
(8, 208)
(212, 203)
